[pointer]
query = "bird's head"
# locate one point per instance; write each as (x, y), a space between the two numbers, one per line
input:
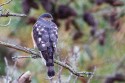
(46, 17)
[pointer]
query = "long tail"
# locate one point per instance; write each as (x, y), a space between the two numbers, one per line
(50, 65)
(48, 56)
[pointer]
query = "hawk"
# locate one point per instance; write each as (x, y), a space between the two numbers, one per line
(45, 37)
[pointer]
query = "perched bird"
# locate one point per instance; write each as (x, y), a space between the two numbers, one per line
(45, 37)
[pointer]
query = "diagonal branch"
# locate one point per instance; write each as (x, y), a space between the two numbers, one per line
(37, 55)
(5, 3)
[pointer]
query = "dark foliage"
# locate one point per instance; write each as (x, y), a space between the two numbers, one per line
(65, 12)
(93, 31)
(102, 38)
(47, 5)
(114, 2)
(28, 4)
(89, 19)
(99, 2)
(77, 35)
(116, 78)
(67, 25)
(31, 20)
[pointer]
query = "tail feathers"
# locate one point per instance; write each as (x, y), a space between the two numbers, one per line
(48, 56)
(51, 71)
(50, 65)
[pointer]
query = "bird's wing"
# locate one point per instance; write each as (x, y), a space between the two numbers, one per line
(41, 36)
(54, 34)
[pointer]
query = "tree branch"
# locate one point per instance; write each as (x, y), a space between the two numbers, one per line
(37, 55)
(8, 13)
(5, 3)
(12, 14)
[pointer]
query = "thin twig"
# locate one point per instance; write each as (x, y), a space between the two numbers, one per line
(7, 70)
(92, 75)
(20, 57)
(8, 13)
(80, 74)
(61, 68)
(75, 79)
(37, 55)
(12, 14)
(69, 78)
(59, 73)
(5, 3)
(14, 67)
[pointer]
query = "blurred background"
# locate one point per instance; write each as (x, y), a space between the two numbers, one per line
(91, 34)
